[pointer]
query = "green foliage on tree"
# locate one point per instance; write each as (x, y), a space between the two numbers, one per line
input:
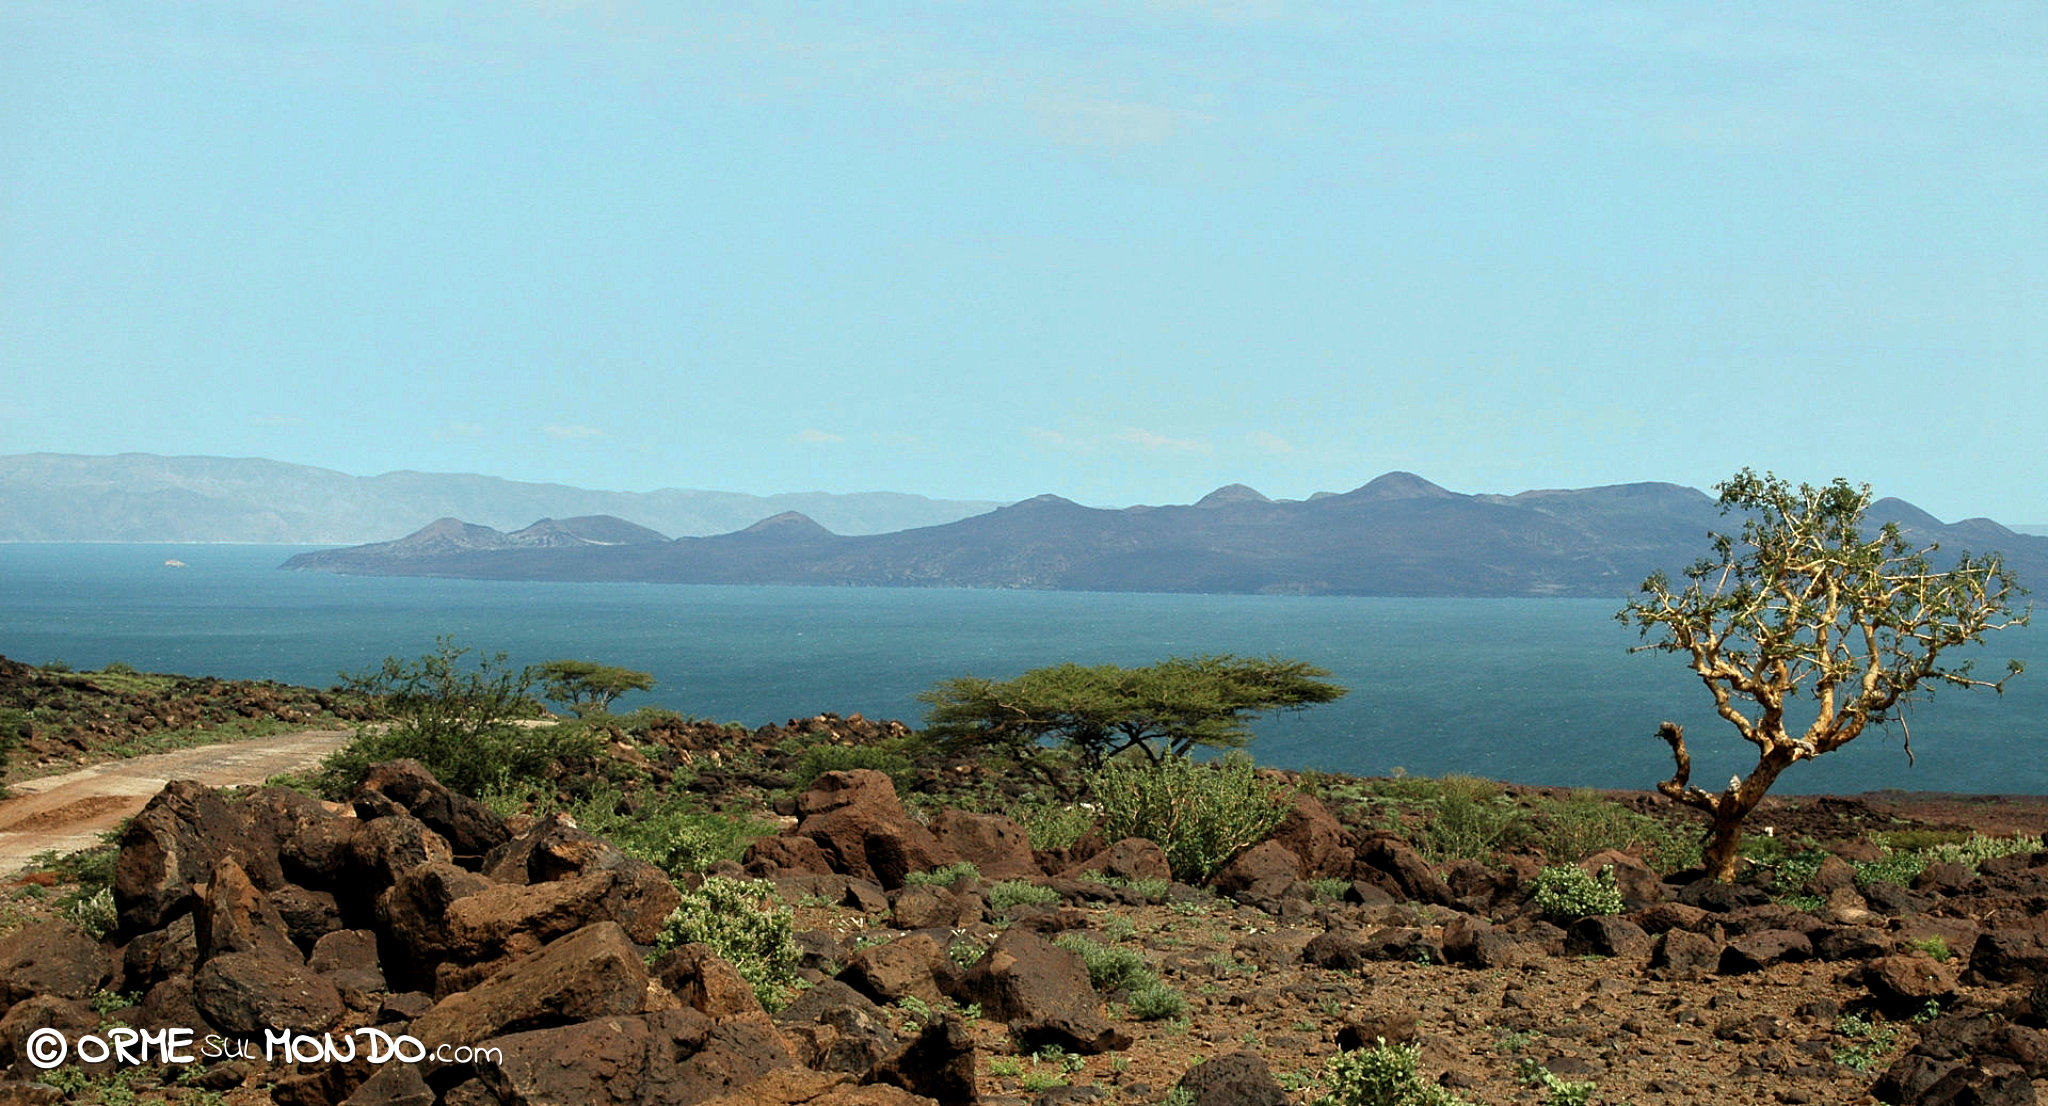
(457, 714)
(1100, 712)
(586, 686)
(1801, 603)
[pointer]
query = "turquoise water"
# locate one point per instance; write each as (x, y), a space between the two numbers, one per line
(1537, 691)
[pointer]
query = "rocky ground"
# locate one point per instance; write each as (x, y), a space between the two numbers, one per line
(411, 910)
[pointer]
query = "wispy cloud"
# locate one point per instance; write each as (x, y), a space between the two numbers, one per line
(1147, 439)
(811, 435)
(1269, 442)
(571, 433)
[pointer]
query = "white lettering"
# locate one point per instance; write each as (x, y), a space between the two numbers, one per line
(272, 1038)
(87, 1046)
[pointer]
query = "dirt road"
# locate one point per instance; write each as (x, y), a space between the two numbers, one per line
(70, 811)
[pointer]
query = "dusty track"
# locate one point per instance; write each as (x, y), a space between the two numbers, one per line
(70, 811)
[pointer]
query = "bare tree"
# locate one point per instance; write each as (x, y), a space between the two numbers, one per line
(1802, 602)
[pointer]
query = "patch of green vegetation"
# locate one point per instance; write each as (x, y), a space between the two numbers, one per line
(739, 921)
(1109, 968)
(88, 880)
(458, 716)
(1935, 947)
(1383, 1075)
(1566, 893)
(1056, 825)
(1330, 890)
(820, 759)
(1201, 815)
(1871, 1041)
(1017, 892)
(666, 830)
(1562, 1092)
(945, 876)
(1586, 822)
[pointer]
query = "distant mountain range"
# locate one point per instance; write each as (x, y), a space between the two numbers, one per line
(1398, 535)
(143, 497)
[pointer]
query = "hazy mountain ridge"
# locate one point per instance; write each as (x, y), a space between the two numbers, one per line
(1397, 535)
(146, 497)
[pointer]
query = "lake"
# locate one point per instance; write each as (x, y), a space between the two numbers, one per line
(1530, 690)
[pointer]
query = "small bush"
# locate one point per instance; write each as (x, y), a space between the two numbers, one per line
(1155, 1001)
(737, 920)
(1873, 1040)
(1017, 892)
(457, 717)
(1109, 968)
(1200, 814)
(1472, 819)
(1563, 1092)
(1564, 892)
(1383, 1075)
(1934, 947)
(1056, 825)
(946, 876)
(1586, 822)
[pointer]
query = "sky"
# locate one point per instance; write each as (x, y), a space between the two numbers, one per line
(1123, 251)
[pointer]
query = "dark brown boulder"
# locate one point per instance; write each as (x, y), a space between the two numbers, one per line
(1043, 992)
(1337, 949)
(924, 906)
(1405, 868)
(1473, 942)
(412, 915)
(160, 954)
(999, 847)
(786, 855)
(592, 973)
(908, 966)
(1233, 1079)
(1757, 951)
(836, 1028)
(1310, 832)
(1683, 954)
(2011, 954)
(630, 891)
(234, 916)
(705, 982)
(385, 848)
(1606, 936)
(470, 828)
(1903, 985)
(1129, 859)
(50, 958)
(170, 848)
(1260, 874)
(1639, 885)
(937, 1064)
(245, 993)
(861, 827)
(68, 1016)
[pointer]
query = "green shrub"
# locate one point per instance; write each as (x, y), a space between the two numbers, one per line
(1872, 1041)
(1564, 892)
(664, 830)
(1200, 814)
(1155, 1001)
(457, 718)
(738, 920)
(1935, 947)
(1017, 892)
(1383, 1075)
(946, 876)
(1109, 968)
(1472, 819)
(820, 759)
(1586, 822)
(1563, 1092)
(1056, 825)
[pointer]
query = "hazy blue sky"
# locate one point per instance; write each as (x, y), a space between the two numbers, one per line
(1122, 251)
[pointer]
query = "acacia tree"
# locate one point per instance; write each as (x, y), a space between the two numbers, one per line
(1099, 712)
(586, 686)
(1801, 601)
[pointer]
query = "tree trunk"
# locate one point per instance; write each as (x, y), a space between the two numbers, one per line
(1724, 843)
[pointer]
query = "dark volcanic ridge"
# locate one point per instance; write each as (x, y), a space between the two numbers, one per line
(1399, 535)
